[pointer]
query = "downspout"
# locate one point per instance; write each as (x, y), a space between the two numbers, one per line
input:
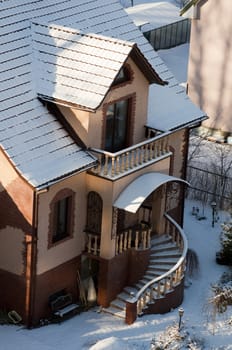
(184, 176)
(33, 258)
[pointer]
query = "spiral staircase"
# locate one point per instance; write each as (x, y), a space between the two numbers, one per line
(165, 271)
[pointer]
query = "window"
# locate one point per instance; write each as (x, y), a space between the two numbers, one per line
(94, 213)
(116, 126)
(122, 76)
(61, 216)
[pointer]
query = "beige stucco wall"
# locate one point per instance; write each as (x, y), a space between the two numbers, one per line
(210, 62)
(64, 251)
(89, 125)
(109, 191)
(15, 217)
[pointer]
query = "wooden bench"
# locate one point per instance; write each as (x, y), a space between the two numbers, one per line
(62, 306)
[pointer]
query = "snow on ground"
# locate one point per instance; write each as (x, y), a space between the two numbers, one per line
(97, 331)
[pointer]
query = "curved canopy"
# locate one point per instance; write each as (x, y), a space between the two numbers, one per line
(138, 190)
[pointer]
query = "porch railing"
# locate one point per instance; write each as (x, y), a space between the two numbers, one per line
(114, 165)
(133, 238)
(93, 243)
(139, 238)
(161, 285)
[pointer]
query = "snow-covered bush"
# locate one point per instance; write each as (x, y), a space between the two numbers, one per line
(225, 255)
(175, 339)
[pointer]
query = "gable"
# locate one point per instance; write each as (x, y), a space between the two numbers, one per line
(78, 69)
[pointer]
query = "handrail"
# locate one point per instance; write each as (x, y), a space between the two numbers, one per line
(175, 268)
(131, 148)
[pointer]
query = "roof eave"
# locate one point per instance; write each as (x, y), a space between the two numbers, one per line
(66, 176)
(146, 67)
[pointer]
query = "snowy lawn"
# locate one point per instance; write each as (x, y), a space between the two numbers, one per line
(96, 331)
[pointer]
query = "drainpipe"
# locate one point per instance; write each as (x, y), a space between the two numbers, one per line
(33, 259)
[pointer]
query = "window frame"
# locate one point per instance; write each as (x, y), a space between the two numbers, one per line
(54, 237)
(128, 126)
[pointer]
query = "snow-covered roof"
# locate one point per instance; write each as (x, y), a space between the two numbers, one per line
(29, 134)
(163, 13)
(78, 68)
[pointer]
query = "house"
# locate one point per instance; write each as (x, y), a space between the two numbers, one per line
(94, 139)
(210, 68)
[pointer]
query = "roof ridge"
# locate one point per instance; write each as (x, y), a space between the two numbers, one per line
(72, 30)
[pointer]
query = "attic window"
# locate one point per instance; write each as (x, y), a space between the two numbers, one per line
(123, 75)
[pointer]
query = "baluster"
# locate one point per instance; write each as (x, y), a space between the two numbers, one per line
(132, 159)
(141, 158)
(127, 160)
(146, 155)
(151, 151)
(171, 281)
(139, 306)
(151, 294)
(112, 166)
(89, 243)
(129, 239)
(155, 150)
(137, 156)
(125, 240)
(122, 163)
(149, 238)
(144, 238)
(158, 290)
(136, 240)
(117, 165)
(144, 300)
(166, 144)
(158, 148)
(106, 165)
(95, 245)
(117, 245)
(121, 243)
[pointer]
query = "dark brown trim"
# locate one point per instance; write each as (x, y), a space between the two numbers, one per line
(33, 262)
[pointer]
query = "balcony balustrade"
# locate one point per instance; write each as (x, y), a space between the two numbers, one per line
(115, 165)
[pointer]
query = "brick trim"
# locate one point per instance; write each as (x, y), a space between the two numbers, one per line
(64, 193)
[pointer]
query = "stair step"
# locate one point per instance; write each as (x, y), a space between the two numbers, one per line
(161, 240)
(114, 311)
(164, 248)
(124, 296)
(158, 267)
(157, 270)
(118, 304)
(165, 254)
(165, 262)
(130, 290)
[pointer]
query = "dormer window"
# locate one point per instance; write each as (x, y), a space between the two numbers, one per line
(123, 75)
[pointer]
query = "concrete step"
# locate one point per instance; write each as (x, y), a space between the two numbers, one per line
(164, 248)
(115, 312)
(118, 304)
(159, 240)
(171, 254)
(165, 262)
(130, 290)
